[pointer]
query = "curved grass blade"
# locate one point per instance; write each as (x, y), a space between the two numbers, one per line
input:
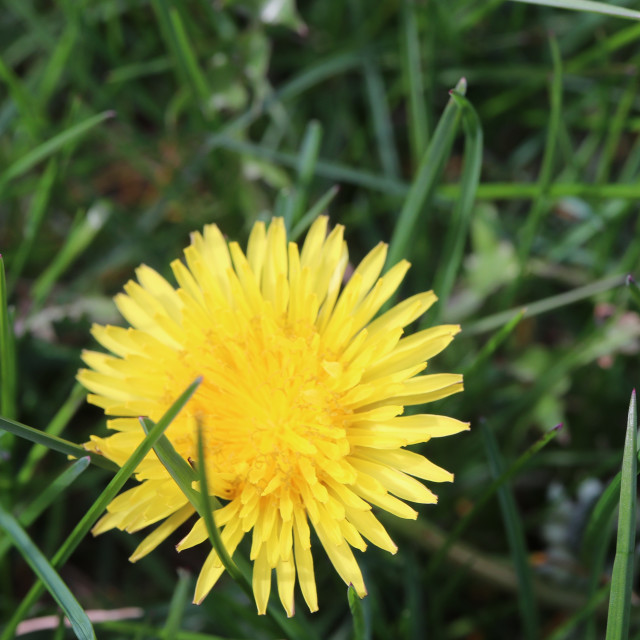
(622, 576)
(515, 536)
(48, 577)
(55, 443)
(357, 614)
(112, 489)
(457, 233)
(428, 172)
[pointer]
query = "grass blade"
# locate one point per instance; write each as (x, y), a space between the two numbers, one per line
(80, 237)
(51, 146)
(98, 507)
(540, 204)
(587, 5)
(418, 120)
(515, 536)
(428, 172)
(48, 577)
(177, 605)
(55, 443)
(320, 206)
(622, 577)
(457, 233)
(357, 614)
(35, 216)
(54, 428)
(8, 374)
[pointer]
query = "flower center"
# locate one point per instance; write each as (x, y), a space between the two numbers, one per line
(269, 407)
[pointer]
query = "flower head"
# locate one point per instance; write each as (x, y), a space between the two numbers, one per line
(300, 408)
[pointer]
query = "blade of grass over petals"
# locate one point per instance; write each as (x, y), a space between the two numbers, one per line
(8, 373)
(486, 495)
(35, 215)
(48, 576)
(97, 508)
(418, 122)
(177, 605)
(492, 344)
(319, 207)
(587, 5)
(426, 176)
(205, 512)
(515, 536)
(55, 443)
(184, 476)
(541, 205)
(547, 304)
(79, 238)
(622, 576)
(357, 615)
(455, 239)
(51, 146)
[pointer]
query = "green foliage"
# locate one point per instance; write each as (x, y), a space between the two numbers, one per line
(494, 145)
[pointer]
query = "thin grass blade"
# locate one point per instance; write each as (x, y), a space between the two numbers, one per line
(77, 241)
(51, 146)
(587, 5)
(426, 176)
(622, 576)
(357, 615)
(55, 443)
(8, 373)
(177, 605)
(457, 233)
(319, 207)
(48, 577)
(515, 536)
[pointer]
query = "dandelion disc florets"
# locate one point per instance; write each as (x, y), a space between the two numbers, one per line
(300, 406)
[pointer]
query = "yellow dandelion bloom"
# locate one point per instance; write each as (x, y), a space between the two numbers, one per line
(301, 403)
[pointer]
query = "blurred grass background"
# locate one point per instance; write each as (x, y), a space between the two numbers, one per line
(126, 125)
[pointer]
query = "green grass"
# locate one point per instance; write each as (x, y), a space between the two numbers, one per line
(495, 145)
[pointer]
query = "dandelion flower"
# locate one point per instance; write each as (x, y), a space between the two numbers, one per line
(300, 407)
